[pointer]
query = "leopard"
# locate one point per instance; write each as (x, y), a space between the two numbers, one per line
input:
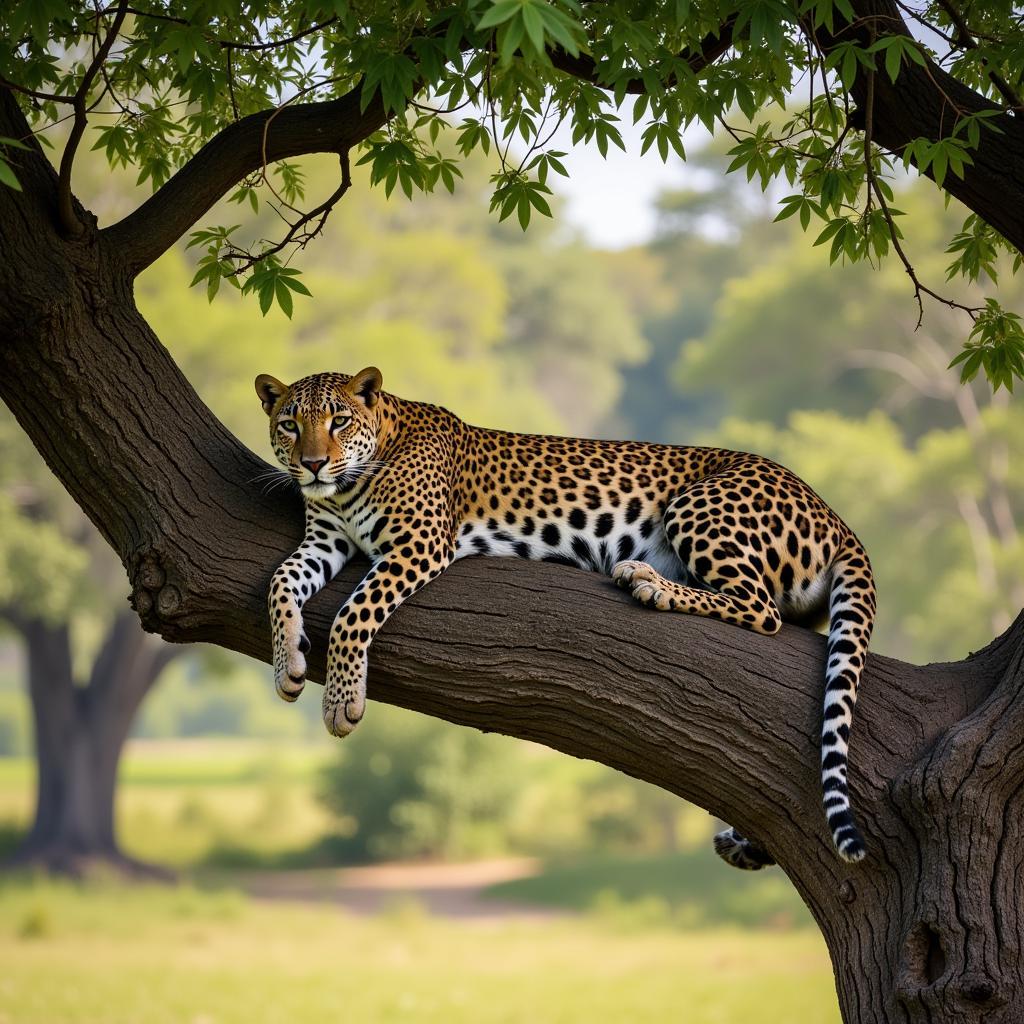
(707, 531)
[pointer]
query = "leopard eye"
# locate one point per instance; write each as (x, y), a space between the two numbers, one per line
(341, 421)
(289, 425)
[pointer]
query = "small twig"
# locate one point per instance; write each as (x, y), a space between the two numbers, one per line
(960, 112)
(869, 19)
(729, 128)
(266, 128)
(558, 124)
(869, 125)
(323, 211)
(425, 108)
(922, 21)
(490, 104)
(919, 288)
(230, 43)
(46, 97)
(113, 95)
(783, 142)
(967, 40)
(65, 207)
(712, 47)
(231, 84)
(810, 82)
(537, 144)
(278, 42)
(874, 188)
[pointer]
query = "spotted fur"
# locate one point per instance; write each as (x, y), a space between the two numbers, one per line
(725, 534)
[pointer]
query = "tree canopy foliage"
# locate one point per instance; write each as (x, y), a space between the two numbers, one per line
(830, 99)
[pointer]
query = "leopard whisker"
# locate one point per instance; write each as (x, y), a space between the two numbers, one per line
(281, 481)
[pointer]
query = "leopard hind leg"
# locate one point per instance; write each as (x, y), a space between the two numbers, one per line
(743, 602)
(739, 852)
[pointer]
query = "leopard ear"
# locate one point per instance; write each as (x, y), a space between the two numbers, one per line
(270, 389)
(365, 385)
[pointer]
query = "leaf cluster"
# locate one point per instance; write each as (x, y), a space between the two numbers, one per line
(500, 77)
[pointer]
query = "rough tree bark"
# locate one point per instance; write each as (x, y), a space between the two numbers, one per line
(79, 736)
(927, 929)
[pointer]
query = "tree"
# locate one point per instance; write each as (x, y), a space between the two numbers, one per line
(928, 926)
(56, 575)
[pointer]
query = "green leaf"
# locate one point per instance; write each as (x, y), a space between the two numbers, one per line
(566, 31)
(534, 25)
(498, 13)
(893, 61)
(897, 49)
(510, 36)
(995, 345)
(8, 177)
(295, 286)
(284, 298)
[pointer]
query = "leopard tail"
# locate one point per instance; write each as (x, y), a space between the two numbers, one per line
(851, 617)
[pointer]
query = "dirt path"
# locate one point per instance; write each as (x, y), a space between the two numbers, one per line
(443, 890)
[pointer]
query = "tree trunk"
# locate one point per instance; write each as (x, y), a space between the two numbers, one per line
(80, 733)
(928, 928)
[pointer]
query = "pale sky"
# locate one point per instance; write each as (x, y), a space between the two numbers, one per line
(611, 201)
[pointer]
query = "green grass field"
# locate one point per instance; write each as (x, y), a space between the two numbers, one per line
(688, 890)
(646, 939)
(110, 955)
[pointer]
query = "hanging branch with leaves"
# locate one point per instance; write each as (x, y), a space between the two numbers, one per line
(837, 99)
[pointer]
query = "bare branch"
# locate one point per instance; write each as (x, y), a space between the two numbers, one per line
(874, 189)
(296, 235)
(230, 44)
(65, 204)
(712, 46)
(919, 104)
(231, 84)
(48, 97)
(227, 44)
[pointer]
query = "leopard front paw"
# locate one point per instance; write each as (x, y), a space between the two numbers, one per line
(342, 716)
(290, 667)
(345, 698)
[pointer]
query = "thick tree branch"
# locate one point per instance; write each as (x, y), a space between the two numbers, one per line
(965, 38)
(926, 101)
(332, 126)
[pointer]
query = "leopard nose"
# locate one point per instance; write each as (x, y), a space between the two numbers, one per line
(314, 465)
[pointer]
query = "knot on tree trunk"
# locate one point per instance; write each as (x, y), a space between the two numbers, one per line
(155, 597)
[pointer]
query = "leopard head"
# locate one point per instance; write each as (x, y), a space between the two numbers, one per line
(323, 428)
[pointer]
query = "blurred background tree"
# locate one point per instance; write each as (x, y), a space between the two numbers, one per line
(88, 664)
